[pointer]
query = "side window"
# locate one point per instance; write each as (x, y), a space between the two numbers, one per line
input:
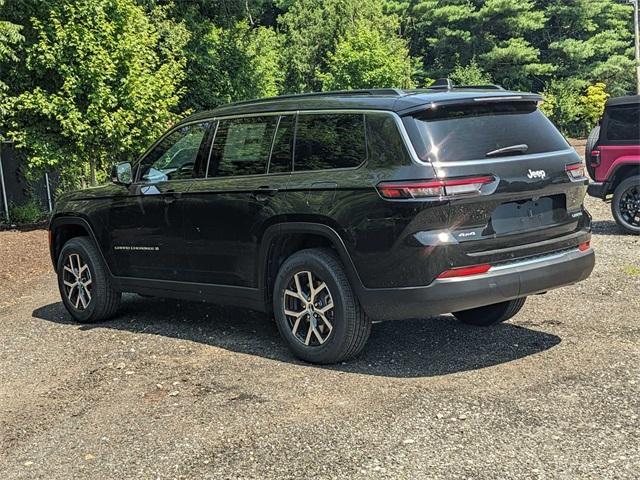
(242, 146)
(175, 156)
(282, 152)
(623, 123)
(384, 141)
(325, 141)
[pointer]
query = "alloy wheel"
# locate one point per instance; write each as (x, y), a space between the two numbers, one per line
(309, 309)
(76, 277)
(630, 205)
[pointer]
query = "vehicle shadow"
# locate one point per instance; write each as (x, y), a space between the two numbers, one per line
(405, 349)
(607, 227)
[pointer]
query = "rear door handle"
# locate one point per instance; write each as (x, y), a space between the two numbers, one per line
(263, 193)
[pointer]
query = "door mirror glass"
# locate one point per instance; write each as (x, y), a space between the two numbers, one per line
(121, 173)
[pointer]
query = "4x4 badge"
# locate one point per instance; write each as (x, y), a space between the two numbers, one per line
(537, 174)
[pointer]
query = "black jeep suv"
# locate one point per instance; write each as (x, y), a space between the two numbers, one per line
(334, 210)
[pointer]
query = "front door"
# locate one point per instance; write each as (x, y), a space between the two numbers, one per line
(228, 211)
(146, 224)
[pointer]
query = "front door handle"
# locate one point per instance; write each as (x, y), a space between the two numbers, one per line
(171, 196)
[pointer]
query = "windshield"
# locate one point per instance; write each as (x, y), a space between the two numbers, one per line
(471, 131)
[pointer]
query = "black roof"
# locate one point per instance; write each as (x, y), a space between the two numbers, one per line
(394, 100)
(630, 100)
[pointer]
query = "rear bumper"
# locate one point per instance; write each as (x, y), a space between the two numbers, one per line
(598, 189)
(501, 283)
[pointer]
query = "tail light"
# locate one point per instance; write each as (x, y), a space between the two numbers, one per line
(575, 170)
(584, 246)
(433, 188)
(595, 158)
(465, 271)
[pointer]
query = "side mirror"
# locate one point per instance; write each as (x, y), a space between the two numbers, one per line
(121, 174)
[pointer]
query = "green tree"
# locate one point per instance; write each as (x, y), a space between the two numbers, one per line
(105, 80)
(367, 57)
(10, 36)
(234, 63)
(590, 41)
(312, 30)
(471, 74)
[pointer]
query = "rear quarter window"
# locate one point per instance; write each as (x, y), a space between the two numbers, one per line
(468, 132)
(623, 123)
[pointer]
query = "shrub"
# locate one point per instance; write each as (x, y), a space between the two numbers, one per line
(30, 212)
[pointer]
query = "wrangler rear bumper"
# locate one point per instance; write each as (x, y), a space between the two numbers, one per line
(500, 283)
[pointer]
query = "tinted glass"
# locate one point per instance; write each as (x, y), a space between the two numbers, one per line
(326, 141)
(385, 143)
(469, 132)
(242, 146)
(623, 123)
(283, 146)
(175, 156)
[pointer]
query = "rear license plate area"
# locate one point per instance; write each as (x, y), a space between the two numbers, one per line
(529, 214)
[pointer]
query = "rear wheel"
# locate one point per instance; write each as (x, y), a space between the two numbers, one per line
(625, 205)
(84, 283)
(315, 308)
(491, 314)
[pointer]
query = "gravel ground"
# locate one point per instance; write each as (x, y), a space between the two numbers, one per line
(171, 390)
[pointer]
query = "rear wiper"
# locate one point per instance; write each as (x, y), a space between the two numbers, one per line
(522, 148)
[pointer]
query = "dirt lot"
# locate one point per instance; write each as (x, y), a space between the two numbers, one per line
(171, 390)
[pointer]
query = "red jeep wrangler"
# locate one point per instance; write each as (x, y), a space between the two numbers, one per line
(613, 160)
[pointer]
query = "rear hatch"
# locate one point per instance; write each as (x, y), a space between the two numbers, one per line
(532, 182)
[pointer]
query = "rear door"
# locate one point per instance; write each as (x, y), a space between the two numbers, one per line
(229, 210)
(531, 196)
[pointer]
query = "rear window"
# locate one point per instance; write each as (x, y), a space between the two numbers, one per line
(623, 123)
(325, 141)
(468, 132)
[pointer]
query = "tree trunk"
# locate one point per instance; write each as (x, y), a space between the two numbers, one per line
(92, 170)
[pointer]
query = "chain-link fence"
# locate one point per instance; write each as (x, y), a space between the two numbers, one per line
(17, 190)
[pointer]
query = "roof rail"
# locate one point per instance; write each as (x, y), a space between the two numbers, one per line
(369, 91)
(447, 84)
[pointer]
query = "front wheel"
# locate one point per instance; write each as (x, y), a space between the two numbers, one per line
(491, 314)
(315, 308)
(84, 283)
(625, 205)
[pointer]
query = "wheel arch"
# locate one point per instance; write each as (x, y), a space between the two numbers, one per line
(623, 171)
(64, 228)
(283, 239)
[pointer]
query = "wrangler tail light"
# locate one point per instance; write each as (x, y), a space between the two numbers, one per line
(433, 188)
(575, 170)
(595, 158)
(465, 271)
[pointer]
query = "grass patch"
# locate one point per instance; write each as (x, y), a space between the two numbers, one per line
(631, 270)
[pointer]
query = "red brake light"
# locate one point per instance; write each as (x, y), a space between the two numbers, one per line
(575, 170)
(584, 246)
(595, 158)
(465, 271)
(433, 188)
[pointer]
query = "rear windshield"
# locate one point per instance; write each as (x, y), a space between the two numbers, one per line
(471, 131)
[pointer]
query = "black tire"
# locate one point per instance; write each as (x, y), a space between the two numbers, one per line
(631, 225)
(491, 314)
(592, 142)
(104, 300)
(350, 326)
